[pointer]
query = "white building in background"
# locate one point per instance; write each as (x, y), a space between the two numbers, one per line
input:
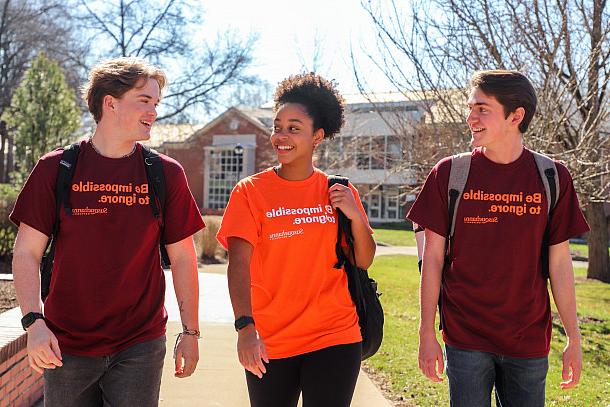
(370, 151)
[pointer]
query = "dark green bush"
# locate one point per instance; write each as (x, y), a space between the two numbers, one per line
(8, 231)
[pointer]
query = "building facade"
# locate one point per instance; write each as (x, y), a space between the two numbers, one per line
(371, 151)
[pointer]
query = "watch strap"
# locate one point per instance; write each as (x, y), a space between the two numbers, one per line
(243, 321)
(29, 318)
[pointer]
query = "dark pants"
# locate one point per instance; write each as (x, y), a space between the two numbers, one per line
(131, 377)
(472, 375)
(327, 378)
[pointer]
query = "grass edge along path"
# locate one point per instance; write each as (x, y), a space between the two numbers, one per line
(394, 237)
(396, 361)
(401, 235)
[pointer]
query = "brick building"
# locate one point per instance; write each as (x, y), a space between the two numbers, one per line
(236, 144)
(212, 162)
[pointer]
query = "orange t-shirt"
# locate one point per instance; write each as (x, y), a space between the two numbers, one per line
(300, 302)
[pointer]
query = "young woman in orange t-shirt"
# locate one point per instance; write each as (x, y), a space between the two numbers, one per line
(297, 326)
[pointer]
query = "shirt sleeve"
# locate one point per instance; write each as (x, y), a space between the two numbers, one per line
(239, 219)
(430, 208)
(35, 205)
(182, 216)
(567, 218)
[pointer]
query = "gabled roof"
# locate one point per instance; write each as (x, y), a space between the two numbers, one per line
(254, 116)
(262, 116)
(179, 133)
(172, 133)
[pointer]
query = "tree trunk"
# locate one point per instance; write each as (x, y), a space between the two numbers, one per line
(3, 137)
(599, 262)
(9, 157)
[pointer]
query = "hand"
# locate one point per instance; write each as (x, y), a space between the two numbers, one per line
(572, 363)
(341, 197)
(43, 348)
(186, 355)
(251, 351)
(431, 361)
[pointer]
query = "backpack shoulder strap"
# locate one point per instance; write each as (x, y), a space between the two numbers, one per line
(458, 175)
(156, 179)
(67, 164)
(344, 226)
(550, 179)
(156, 191)
(65, 172)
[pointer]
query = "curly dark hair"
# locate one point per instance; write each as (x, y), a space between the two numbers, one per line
(321, 100)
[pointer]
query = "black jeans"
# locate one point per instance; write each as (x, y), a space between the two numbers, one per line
(131, 377)
(327, 377)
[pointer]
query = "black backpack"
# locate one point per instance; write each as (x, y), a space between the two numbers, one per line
(67, 166)
(362, 288)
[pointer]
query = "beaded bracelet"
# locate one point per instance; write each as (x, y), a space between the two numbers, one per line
(192, 332)
(189, 332)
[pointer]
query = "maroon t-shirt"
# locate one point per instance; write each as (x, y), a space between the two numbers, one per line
(494, 296)
(107, 287)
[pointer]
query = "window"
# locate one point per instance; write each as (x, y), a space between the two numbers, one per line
(226, 168)
(394, 152)
(386, 204)
(362, 152)
(378, 152)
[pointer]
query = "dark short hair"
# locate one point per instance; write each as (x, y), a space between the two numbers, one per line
(511, 89)
(318, 96)
(115, 77)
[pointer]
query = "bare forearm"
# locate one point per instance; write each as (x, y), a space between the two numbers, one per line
(430, 284)
(432, 269)
(186, 286)
(364, 244)
(565, 300)
(26, 277)
(27, 253)
(562, 285)
(238, 275)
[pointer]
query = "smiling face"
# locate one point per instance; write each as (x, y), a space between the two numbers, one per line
(136, 110)
(489, 125)
(293, 137)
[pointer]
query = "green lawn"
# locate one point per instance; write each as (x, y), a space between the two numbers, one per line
(398, 279)
(578, 249)
(400, 236)
(582, 250)
(394, 237)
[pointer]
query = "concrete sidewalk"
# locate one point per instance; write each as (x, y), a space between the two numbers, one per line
(219, 379)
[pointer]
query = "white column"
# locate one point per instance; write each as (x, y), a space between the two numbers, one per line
(207, 157)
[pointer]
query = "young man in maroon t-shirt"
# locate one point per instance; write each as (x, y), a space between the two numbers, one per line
(102, 337)
(495, 303)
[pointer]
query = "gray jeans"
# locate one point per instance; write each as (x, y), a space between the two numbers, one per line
(518, 382)
(131, 377)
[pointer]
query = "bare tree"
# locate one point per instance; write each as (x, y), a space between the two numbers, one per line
(26, 29)
(313, 60)
(165, 33)
(562, 45)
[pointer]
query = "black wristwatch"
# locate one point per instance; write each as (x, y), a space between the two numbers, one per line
(243, 321)
(29, 318)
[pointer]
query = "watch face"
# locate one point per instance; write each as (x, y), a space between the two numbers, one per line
(243, 322)
(29, 318)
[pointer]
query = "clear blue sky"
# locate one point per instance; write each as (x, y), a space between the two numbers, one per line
(288, 31)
